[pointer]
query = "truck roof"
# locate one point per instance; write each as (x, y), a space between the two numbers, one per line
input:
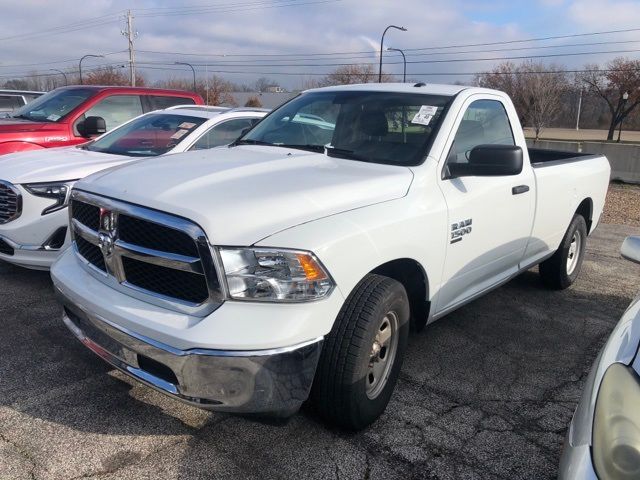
(430, 88)
(164, 91)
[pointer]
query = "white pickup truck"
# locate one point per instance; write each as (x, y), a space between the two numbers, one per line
(291, 264)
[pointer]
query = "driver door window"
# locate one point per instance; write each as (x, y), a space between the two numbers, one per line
(115, 109)
(485, 122)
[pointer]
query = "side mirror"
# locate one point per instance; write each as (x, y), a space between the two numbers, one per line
(631, 249)
(489, 161)
(92, 126)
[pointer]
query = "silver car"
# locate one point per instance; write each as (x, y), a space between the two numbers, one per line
(603, 441)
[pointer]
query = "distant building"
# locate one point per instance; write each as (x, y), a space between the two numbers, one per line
(269, 100)
(274, 89)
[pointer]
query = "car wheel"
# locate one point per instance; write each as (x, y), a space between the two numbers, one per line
(562, 269)
(362, 355)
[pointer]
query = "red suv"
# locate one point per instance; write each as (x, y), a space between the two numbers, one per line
(72, 115)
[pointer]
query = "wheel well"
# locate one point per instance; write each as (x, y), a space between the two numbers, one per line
(414, 279)
(586, 210)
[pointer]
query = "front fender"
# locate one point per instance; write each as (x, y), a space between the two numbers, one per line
(13, 147)
(353, 243)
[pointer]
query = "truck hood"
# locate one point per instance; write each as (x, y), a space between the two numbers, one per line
(243, 194)
(55, 164)
(18, 125)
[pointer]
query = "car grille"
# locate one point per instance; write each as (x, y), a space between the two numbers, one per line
(10, 202)
(148, 254)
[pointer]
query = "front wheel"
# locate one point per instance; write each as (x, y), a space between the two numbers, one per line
(362, 356)
(562, 269)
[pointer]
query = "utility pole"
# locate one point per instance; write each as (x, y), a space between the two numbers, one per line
(131, 35)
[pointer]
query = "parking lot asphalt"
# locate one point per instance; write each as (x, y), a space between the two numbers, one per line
(486, 392)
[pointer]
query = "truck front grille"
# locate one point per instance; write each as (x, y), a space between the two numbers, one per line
(10, 202)
(157, 257)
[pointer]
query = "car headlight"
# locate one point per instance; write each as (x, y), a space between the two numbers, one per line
(616, 427)
(274, 275)
(58, 191)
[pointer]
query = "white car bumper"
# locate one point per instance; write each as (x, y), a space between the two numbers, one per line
(34, 240)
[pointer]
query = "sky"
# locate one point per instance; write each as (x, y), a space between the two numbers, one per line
(294, 41)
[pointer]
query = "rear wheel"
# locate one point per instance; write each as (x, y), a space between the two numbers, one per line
(562, 269)
(362, 356)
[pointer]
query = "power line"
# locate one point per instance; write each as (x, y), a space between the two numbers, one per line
(420, 74)
(237, 8)
(71, 27)
(71, 60)
(357, 57)
(414, 62)
(441, 47)
(538, 39)
(112, 18)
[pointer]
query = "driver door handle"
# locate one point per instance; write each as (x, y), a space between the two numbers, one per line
(519, 189)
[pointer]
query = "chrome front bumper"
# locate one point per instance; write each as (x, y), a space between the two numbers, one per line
(274, 381)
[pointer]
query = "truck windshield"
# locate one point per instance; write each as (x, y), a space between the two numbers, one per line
(147, 136)
(393, 128)
(53, 106)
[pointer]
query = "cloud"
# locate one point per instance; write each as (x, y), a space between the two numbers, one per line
(344, 26)
(605, 14)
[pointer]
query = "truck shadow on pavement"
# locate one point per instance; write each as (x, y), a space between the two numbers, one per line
(486, 392)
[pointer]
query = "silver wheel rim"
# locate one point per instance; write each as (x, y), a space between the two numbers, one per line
(574, 252)
(382, 355)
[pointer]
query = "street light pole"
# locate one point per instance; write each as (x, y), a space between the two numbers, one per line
(625, 97)
(579, 110)
(80, 64)
(404, 59)
(193, 70)
(66, 82)
(402, 29)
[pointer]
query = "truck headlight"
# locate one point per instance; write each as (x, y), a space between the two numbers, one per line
(273, 275)
(58, 191)
(616, 426)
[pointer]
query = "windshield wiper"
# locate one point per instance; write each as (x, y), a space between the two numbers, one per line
(344, 153)
(309, 148)
(22, 116)
(250, 142)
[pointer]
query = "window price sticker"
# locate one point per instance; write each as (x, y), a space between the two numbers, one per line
(424, 115)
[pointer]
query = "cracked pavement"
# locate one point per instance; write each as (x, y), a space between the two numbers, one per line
(485, 393)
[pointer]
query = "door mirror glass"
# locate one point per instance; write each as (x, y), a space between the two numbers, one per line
(92, 126)
(489, 161)
(631, 249)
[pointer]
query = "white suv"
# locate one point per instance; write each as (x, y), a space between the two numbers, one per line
(35, 185)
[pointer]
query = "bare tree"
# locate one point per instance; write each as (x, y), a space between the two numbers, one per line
(263, 83)
(535, 89)
(350, 74)
(215, 91)
(254, 102)
(621, 76)
(111, 75)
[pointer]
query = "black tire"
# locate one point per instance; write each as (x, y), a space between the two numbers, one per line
(343, 392)
(561, 270)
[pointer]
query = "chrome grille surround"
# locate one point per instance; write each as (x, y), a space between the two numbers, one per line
(10, 202)
(114, 249)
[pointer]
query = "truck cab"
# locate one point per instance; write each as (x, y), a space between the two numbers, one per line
(73, 115)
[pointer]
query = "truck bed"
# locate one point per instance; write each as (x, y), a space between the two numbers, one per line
(543, 156)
